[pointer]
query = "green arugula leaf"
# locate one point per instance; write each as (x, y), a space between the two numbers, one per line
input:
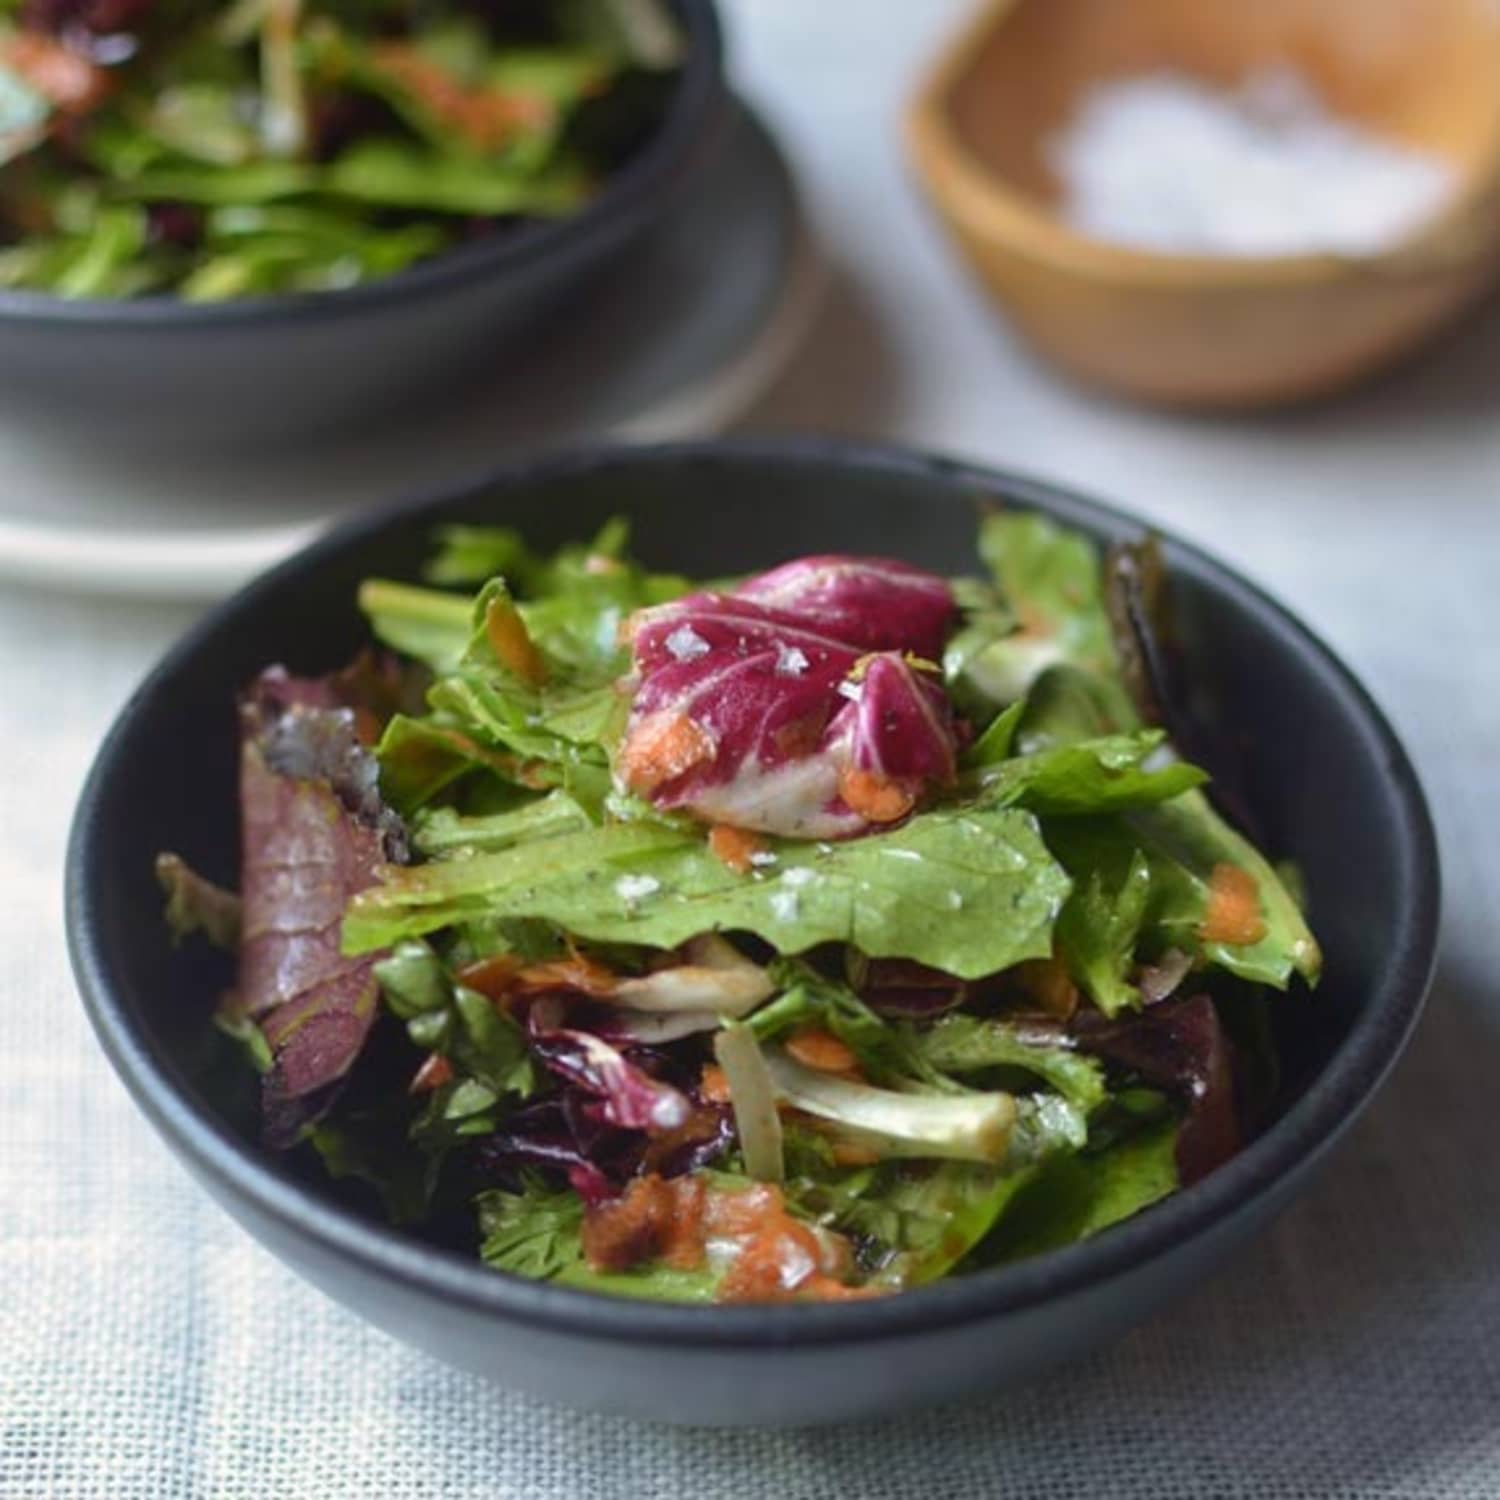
(934, 1218)
(421, 758)
(1189, 831)
(961, 1044)
(1049, 580)
(536, 1232)
(994, 745)
(1072, 1198)
(1090, 776)
(445, 833)
(1097, 933)
(968, 891)
(811, 999)
(1049, 576)
(479, 1041)
(432, 626)
(1180, 843)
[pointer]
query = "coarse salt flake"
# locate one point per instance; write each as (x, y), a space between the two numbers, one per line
(686, 644)
(632, 888)
(791, 661)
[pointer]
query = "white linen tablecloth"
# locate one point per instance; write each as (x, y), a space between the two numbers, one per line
(150, 1351)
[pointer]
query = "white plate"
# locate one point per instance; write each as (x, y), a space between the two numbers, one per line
(681, 339)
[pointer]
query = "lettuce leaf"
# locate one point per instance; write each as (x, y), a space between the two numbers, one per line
(481, 1042)
(935, 1218)
(964, 1044)
(534, 1232)
(808, 998)
(1071, 1198)
(1108, 774)
(446, 833)
(432, 626)
(928, 1216)
(1097, 932)
(422, 758)
(970, 891)
(537, 1232)
(1049, 578)
(1179, 844)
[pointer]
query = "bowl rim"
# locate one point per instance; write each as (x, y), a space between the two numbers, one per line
(1309, 1127)
(990, 207)
(693, 119)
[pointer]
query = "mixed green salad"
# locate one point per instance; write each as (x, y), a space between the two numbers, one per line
(219, 150)
(808, 935)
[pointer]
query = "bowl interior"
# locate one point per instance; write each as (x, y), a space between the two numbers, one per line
(1426, 72)
(1324, 777)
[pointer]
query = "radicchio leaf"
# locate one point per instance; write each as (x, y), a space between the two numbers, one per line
(629, 1097)
(313, 833)
(872, 603)
(1180, 1046)
(756, 708)
(543, 1135)
(898, 987)
(900, 725)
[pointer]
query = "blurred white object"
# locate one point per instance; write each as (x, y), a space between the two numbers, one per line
(1163, 162)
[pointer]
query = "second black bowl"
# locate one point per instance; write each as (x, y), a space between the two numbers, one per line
(1326, 778)
(158, 371)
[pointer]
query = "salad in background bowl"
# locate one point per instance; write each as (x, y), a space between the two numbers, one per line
(225, 223)
(227, 150)
(678, 1015)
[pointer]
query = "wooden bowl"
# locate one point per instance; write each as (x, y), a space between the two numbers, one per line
(1208, 331)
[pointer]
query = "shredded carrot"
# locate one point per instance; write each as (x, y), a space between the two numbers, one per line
(484, 116)
(62, 76)
(815, 1048)
(511, 642)
(660, 748)
(877, 798)
(494, 976)
(433, 1074)
(734, 847)
(846, 1155)
(575, 972)
(1233, 912)
(1046, 981)
(504, 974)
(713, 1085)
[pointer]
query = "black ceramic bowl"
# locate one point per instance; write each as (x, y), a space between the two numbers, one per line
(160, 371)
(1325, 775)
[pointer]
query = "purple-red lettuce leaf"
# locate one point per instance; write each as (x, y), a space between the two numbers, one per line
(1179, 1046)
(872, 603)
(629, 1098)
(313, 833)
(756, 708)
